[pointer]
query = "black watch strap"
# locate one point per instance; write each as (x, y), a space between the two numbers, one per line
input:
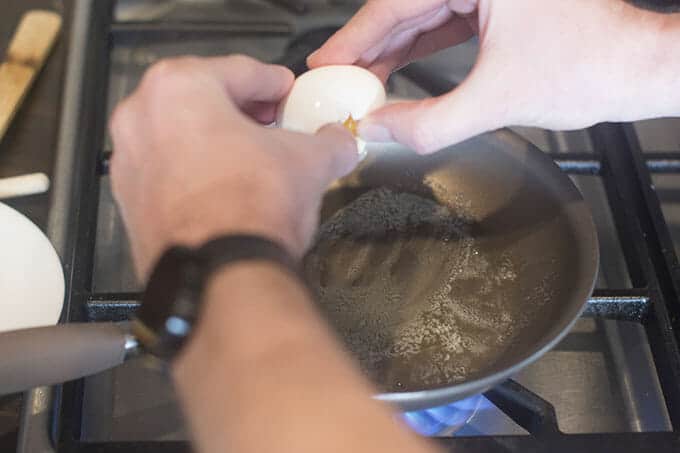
(225, 250)
(173, 298)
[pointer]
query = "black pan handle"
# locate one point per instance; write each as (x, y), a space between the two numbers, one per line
(50, 355)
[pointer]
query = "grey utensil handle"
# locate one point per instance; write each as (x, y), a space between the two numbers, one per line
(49, 355)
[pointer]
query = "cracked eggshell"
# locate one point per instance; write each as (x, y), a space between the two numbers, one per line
(331, 94)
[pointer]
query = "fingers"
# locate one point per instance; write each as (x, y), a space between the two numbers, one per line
(124, 122)
(403, 35)
(455, 31)
(226, 84)
(412, 34)
(368, 28)
(406, 48)
(463, 6)
(321, 158)
(247, 80)
(244, 79)
(336, 153)
(432, 124)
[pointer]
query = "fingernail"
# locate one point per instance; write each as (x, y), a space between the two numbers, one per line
(373, 132)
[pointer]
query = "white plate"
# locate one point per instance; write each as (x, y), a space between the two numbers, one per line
(31, 277)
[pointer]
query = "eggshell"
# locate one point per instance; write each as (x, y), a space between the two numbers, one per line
(331, 94)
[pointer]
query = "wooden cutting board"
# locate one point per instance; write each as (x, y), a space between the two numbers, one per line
(25, 56)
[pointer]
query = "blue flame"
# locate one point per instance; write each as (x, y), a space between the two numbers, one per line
(443, 420)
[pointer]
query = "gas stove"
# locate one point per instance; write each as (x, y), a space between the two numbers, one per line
(612, 385)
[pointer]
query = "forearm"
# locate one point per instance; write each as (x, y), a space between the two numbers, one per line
(264, 374)
(649, 61)
(669, 85)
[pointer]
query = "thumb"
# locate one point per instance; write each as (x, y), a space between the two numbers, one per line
(338, 152)
(432, 124)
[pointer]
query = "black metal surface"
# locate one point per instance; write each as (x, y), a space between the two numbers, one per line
(112, 307)
(663, 162)
(294, 6)
(301, 46)
(649, 255)
(578, 164)
(623, 305)
(629, 185)
(562, 443)
(162, 31)
(528, 410)
(67, 421)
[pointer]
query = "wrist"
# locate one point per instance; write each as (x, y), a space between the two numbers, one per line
(195, 230)
(206, 217)
(259, 291)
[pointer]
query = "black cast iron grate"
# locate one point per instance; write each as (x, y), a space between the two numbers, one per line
(617, 160)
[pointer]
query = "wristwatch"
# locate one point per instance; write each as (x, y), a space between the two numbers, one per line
(172, 301)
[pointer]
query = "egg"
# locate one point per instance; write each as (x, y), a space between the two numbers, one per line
(331, 94)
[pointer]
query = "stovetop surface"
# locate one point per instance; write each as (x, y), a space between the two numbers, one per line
(601, 378)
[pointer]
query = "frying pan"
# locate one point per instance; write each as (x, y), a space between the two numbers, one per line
(532, 236)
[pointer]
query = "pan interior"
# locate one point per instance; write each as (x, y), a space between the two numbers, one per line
(439, 270)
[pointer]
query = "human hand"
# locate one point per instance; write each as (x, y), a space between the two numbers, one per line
(552, 64)
(189, 164)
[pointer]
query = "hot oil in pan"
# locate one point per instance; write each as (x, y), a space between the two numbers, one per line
(411, 293)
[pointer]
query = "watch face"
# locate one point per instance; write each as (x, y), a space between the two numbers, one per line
(169, 306)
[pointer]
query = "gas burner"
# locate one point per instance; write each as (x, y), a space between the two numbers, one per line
(443, 421)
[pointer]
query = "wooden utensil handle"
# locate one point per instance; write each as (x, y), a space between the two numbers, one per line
(26, 54)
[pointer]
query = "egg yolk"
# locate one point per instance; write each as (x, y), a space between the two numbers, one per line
(351, 125)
